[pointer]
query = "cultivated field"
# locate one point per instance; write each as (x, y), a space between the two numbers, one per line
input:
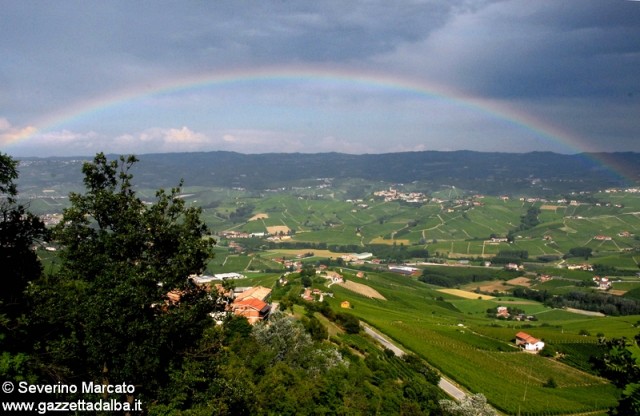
(457, 337)
(361, 289)
(278, 229)
(464, 294)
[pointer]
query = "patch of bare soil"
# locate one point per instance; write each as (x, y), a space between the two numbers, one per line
(364, 290)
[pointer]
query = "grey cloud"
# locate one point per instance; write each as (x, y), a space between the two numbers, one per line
(520, 48)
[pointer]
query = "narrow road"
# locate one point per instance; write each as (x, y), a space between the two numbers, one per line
(451, 389)
(445, 384)
(382, 340)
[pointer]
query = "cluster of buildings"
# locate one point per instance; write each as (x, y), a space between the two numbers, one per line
(513, 266)
(584, 266)
(204, 279)
(604, 283)
(628, 190)
(51, 220)
(231, 234)
(395, 195)
(253, 303)
(314, 295)
(502, 312)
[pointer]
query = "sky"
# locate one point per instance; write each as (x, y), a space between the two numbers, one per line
(375, 76)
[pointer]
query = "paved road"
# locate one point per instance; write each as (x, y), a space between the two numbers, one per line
(444, 383)
(451, 389)
(382, 340)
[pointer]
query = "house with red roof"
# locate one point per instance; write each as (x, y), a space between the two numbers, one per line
(252, 304)
(253, 309)
(528, 343)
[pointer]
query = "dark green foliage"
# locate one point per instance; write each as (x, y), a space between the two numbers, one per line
(416, 364)
(109, 305)
(242, 213)
(265, 171)
(548, 258)
(350, 323)
(597, 302)
(454, 276)
(603, 269)
(617, 363)
(633, 294)
(550, 383)
(237, 327)
(630, 402)
(510, 256)
(579, 355)
(278, 369)
(315, 328)
(530, 219)
(19, 230)
(516, 254)
(585, 252)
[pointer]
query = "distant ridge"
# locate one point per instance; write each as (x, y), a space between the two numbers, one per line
(487, 172)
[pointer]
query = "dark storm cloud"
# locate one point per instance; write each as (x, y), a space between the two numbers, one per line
(57, 51)
(538, 49)
(570, 63)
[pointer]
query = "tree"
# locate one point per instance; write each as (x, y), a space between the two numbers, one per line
(350, 323)
(474, 405)
(19, 231)
(122, 303)
(585, 252)
(285, 338)
(620, 366)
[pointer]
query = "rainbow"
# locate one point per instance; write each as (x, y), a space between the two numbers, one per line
(554, 136)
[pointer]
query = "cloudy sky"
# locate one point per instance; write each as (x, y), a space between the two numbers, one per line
(77, 77)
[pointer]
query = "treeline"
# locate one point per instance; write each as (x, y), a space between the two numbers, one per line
(455, 276)
(388, 253)
(595, 302)
(510, 256)
(527, 222)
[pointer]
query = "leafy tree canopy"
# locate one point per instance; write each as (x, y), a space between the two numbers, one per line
(122, 304)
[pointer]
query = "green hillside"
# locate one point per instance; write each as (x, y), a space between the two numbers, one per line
(455, 335)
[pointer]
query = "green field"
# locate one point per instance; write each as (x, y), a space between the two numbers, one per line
(454, 334)
(457, 337)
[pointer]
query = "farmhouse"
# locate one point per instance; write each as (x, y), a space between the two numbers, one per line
(545, 278)
(603, 282)
(258, 292)
(253, 309)
(251, 304)
(528, 343)
(502, 311)
(334, 277)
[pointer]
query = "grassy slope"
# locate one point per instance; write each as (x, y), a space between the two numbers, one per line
(481, 356)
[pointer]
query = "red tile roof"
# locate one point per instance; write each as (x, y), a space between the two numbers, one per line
(526, 338)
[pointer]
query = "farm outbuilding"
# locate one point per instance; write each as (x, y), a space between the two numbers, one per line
(528, 343)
